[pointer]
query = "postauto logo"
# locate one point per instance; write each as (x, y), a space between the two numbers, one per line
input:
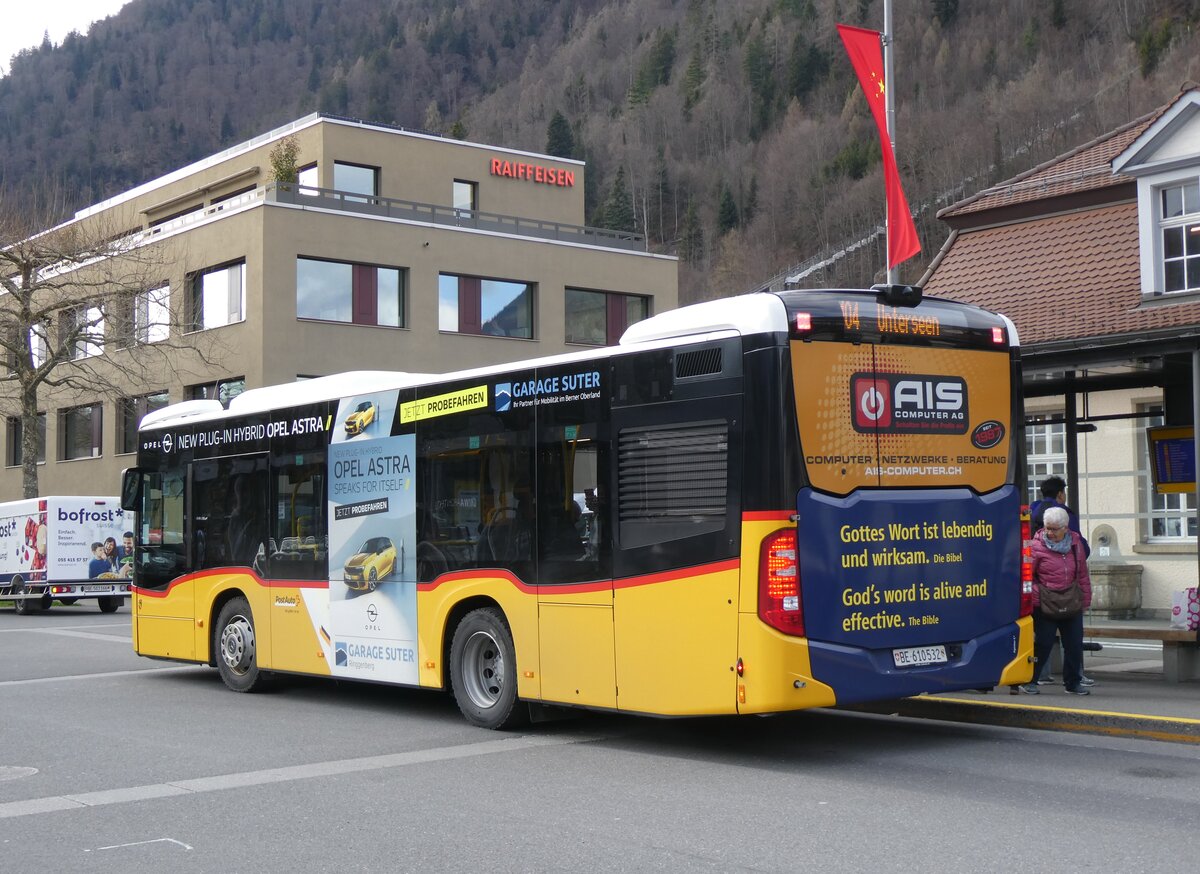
(908, 403)
(503, 393)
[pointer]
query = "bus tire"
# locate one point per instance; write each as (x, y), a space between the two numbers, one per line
(109, 604)
(483, 671)
(235, 648)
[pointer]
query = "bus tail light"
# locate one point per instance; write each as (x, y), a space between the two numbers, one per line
(1026, 564)
(779, 583)
(998, 336)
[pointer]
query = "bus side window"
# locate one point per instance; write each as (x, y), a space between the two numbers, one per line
(159, 553)
(229, 522)
(299, 541)
(476, 493)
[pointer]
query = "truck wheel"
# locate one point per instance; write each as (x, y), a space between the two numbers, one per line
(109, 604)
(46, 601)
(483, 671)
(67, 602)
(234, 646)
(27, 606)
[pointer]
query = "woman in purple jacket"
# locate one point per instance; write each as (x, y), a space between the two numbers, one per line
(1059, 561)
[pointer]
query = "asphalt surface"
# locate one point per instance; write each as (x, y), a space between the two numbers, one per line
(114, 763)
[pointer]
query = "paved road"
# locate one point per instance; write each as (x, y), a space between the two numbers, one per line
(114, 763)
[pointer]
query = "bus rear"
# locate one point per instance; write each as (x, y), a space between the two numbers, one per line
(900, 571)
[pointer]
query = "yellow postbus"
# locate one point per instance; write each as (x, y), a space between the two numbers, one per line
(752, 505)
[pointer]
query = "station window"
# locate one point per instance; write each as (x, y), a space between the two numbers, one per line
(1179, 225)
(335, 291)
(14, 454)
(494, 307)
(79, 432)
(217, 296)
(1045, 452)
(599, 318)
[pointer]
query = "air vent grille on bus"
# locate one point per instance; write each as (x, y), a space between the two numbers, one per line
(674, 474)
(699, 362)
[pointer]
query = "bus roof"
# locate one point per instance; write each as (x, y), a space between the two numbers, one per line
(756, 313)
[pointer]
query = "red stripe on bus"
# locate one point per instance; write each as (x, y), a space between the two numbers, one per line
(767, 515)
(679, 574)
(242, 572)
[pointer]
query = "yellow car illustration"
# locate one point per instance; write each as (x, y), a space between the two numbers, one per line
(363, 415)
(374, 561)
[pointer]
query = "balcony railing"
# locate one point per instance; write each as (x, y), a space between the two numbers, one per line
(446, 216)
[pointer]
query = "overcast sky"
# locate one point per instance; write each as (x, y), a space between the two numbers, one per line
(25, 21)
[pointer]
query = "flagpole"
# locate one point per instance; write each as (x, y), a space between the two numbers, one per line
(889, 78)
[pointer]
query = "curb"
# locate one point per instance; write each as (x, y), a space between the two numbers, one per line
(1145, 726)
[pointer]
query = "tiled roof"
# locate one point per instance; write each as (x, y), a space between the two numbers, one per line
(1059, 277)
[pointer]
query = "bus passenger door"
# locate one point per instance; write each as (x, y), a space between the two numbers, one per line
(575, 596)
(164, 609)
(677, 530)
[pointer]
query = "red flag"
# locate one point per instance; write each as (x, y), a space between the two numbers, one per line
(865, 54)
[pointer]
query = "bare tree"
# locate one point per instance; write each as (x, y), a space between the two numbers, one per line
(85, 312)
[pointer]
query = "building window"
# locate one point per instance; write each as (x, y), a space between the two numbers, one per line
(356, 179)
(495, 307)
(466, 197)
(223, 390)
(79, 432)
(599, 318)
(83, 328)
(217, 296)
(1045, 453)
(130, 412)
(1179, 223)
(152, 315)
(1168, 517)
(333, 291)
(13, 456)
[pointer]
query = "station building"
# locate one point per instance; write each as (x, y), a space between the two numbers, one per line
(394, 250)
(1095, 255)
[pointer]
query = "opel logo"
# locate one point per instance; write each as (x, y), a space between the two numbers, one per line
(372, 613)
(166, 442)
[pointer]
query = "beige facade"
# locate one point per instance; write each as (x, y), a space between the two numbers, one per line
(360, 266)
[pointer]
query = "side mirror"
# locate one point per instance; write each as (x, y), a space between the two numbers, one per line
(131, 489)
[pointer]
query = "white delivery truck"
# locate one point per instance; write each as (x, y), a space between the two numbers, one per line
(65, 549)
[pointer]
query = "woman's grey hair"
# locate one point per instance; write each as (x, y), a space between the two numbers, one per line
(1055, 516)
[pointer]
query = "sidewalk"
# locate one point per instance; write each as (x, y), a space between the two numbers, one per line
(1131, 698)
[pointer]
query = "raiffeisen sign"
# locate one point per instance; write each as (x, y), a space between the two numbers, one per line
(533, 173)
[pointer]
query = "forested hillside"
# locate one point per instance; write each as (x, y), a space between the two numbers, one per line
(731, 133)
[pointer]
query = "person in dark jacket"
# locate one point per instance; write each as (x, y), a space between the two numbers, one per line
(1054, 493)
(1059, 563)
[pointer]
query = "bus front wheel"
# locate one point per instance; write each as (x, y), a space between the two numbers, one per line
(483, 671)
(234, 639)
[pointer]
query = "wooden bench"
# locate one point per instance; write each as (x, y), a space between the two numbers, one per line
(1180, 650)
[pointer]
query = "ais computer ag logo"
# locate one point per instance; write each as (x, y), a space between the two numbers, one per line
(908, 403)
(503, 396)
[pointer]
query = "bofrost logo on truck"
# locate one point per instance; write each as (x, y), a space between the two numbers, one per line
(82, 515)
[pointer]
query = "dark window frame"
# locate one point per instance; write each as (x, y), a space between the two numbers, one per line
(95, 426)
(364, 293)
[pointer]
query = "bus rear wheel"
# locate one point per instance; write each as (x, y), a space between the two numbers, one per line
(483, 671)
(235, 646)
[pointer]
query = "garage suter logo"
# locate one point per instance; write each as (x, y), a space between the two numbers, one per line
(908, 403)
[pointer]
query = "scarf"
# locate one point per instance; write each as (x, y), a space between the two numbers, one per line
(1062, 547)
